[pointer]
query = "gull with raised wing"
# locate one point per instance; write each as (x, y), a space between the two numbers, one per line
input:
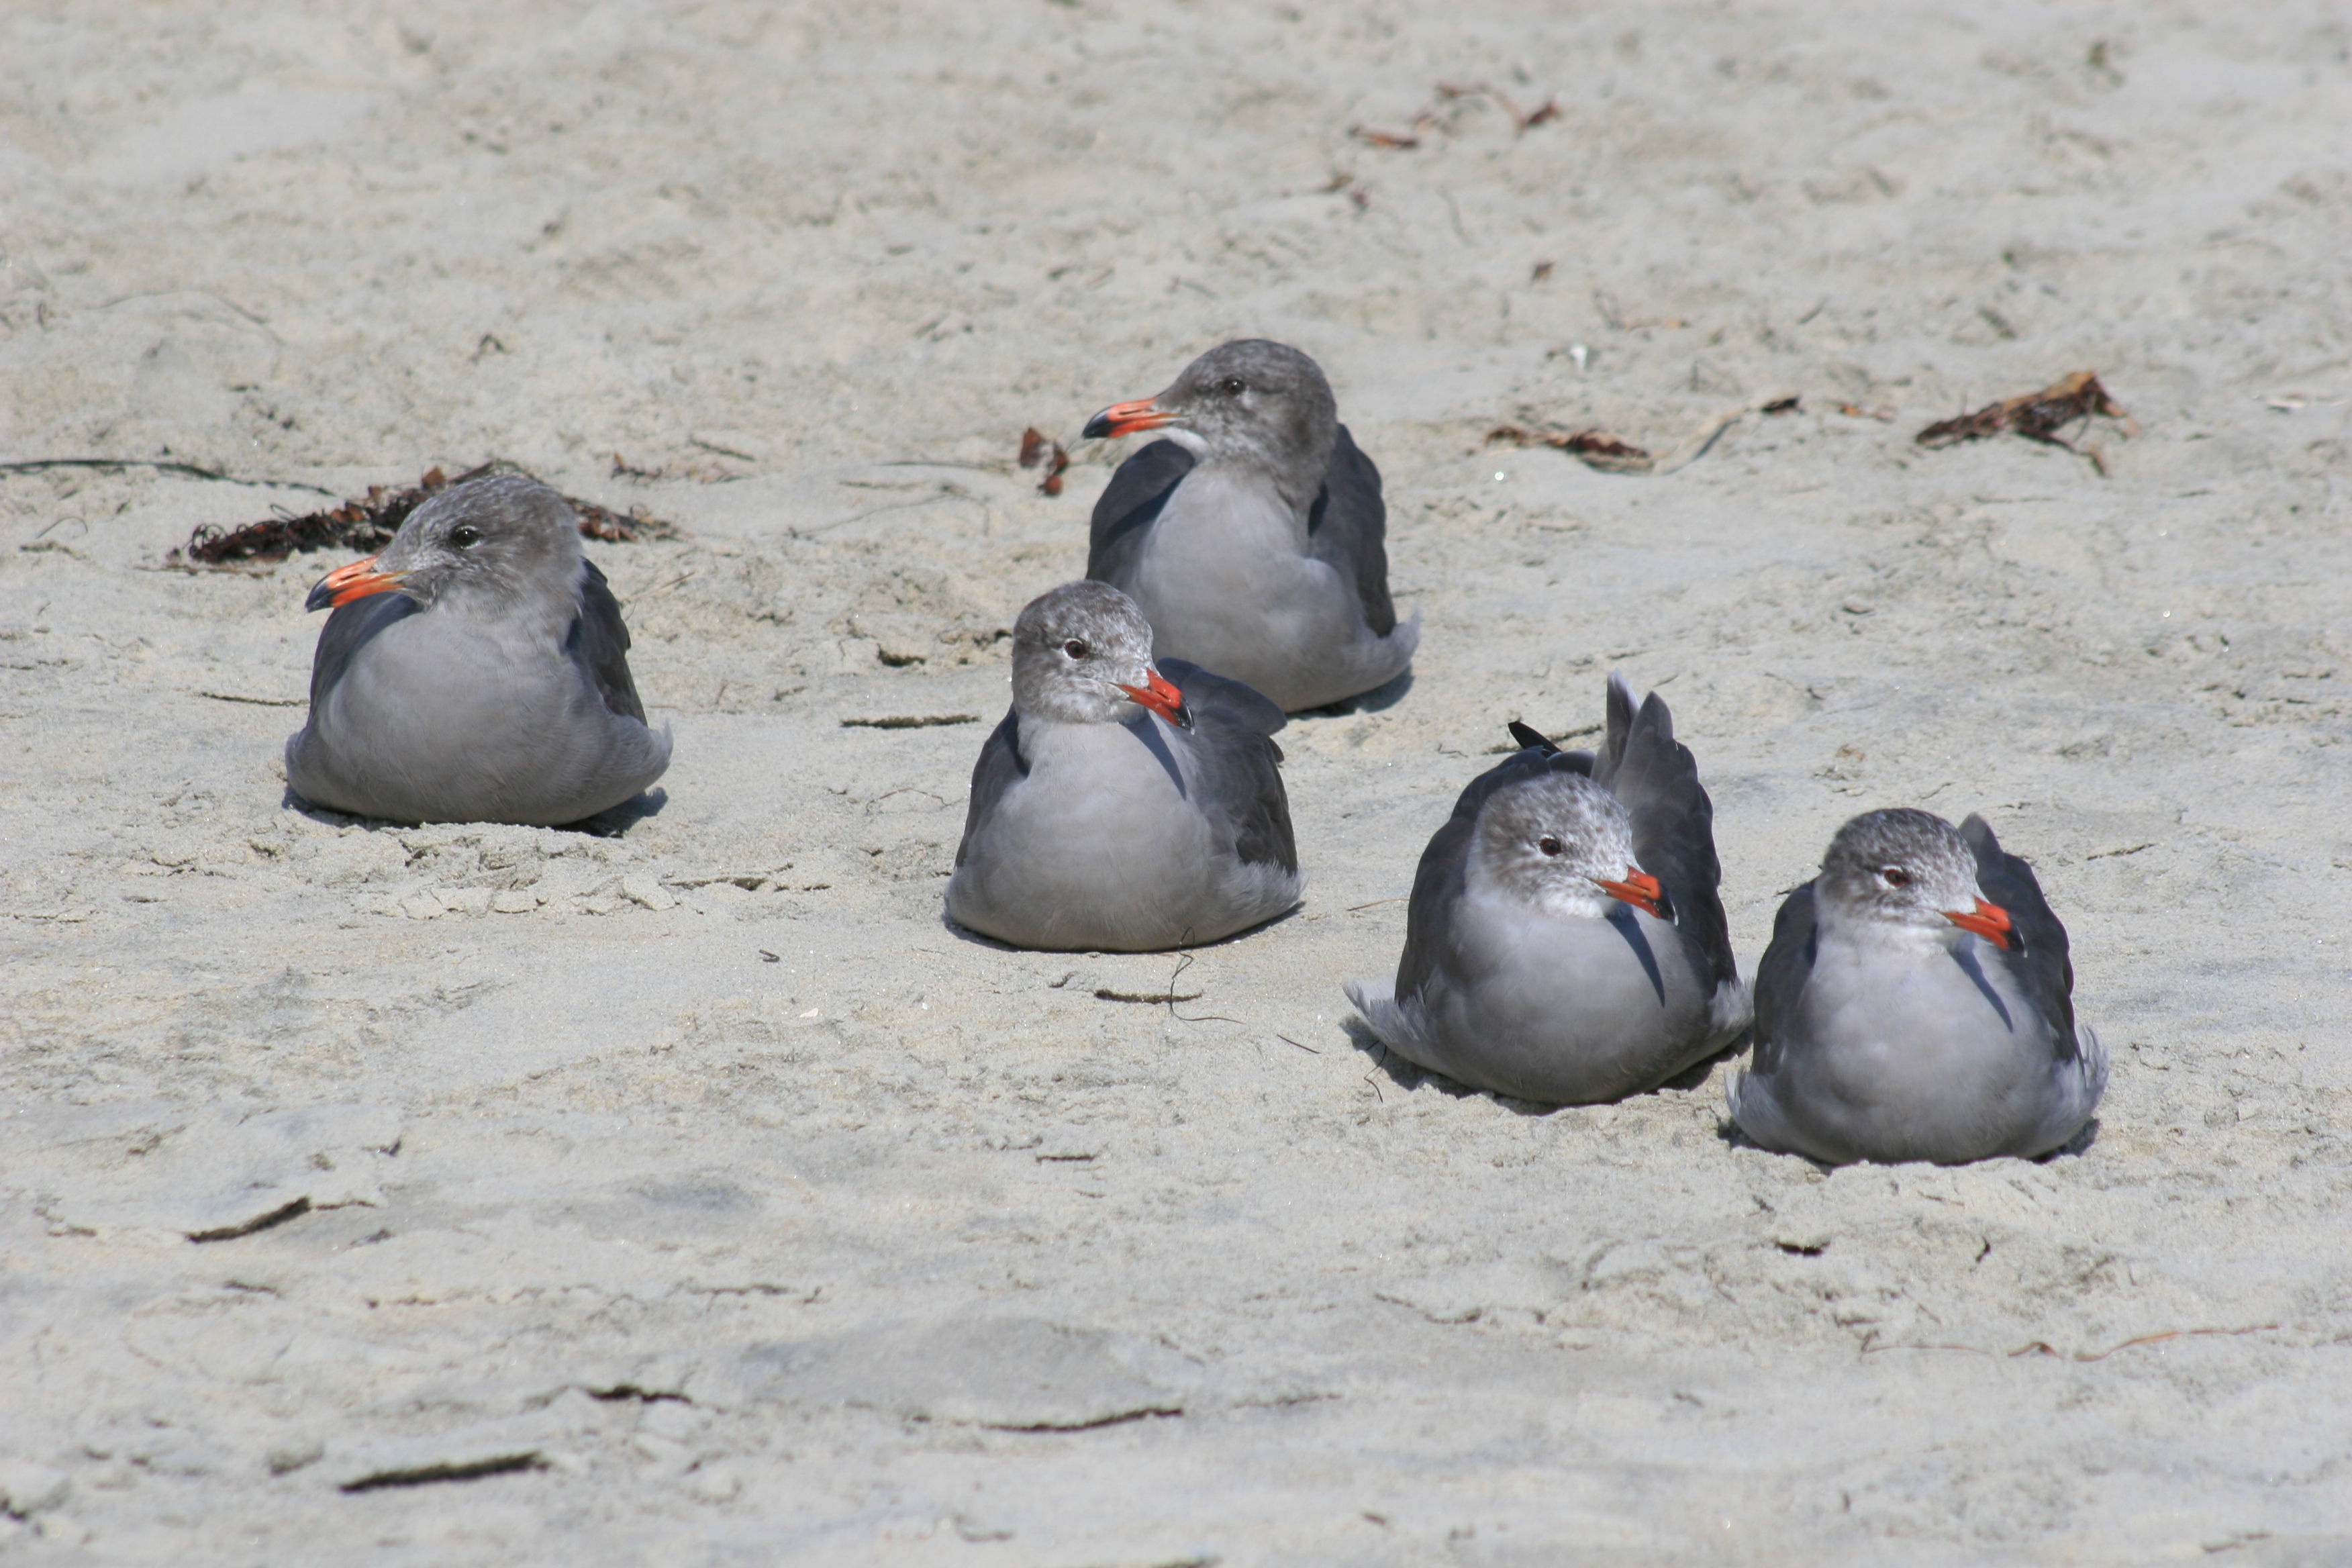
(476, 670)
(1118, 806)
(1917, 1003)
(1252, 536)
(1565, 942)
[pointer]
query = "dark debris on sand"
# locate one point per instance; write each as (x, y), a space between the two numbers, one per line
(2037, 417)
(1038, 449)
(367, 525)
(1595, 448)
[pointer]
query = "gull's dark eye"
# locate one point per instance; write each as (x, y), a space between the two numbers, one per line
(1549, 844)
(1232, 386)
(465, 536)
(1895, 876)
(1075, 648)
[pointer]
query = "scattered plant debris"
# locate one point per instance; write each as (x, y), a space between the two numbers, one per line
(1596, 449)
(1855, 411)
(1039, 448)
(191, 470)
(701, 473)
(2037, 416)
(1522, 119)
(1539, 271)
(910, 720)
(1613, 453)
(367, 525)
(1148, 999)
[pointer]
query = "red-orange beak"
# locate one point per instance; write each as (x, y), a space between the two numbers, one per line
(1639, 888)
(355, 579)
(1124, 418)
(1161, 697)
(1988, 921)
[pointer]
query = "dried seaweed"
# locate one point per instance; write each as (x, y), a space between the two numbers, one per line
(2037, 417)
(367, 525)
(1595, 448)
(1037, 448)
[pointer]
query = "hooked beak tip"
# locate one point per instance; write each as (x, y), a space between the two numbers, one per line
(1160, 695)
(1125, 419)
(352, 579)
(1638, 889)
(1988, 921)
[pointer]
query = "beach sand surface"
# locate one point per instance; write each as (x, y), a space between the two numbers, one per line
(693, 1194)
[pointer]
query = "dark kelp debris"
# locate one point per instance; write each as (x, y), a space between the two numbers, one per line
(1596, 449)
(368, 524)
(2037, 417)
(1037, 448)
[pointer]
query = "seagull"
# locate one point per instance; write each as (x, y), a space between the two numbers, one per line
(1565, 943)
(1120, 808)
(1917, 1003)
(477, 670)
(1251, 537)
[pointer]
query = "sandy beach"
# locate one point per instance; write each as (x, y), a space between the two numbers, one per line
(695, 1194)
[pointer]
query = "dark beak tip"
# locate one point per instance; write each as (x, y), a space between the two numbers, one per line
(1096, 429)
(321, 597)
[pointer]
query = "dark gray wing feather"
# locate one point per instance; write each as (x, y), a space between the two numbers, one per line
(1348, 531)
(347, 630)
(1128, 505)
(599, 644)
(2042, 964)
(1445, 864)
(999, 766)
(1656, 777)
(1238, 766)
(1781, 978)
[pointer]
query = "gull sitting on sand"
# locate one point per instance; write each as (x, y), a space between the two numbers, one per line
(1252, 538)
(1118, 806)
(1917, 1003)
(1565, 943)
(476, 670)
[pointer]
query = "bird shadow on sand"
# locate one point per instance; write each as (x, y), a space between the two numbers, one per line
(1379, 698)
(982, 939)
(1735, 1137)
(1405, 1075)
(610, 823)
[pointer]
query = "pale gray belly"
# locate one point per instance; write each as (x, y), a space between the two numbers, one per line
(1572, 1016)
(423, 728)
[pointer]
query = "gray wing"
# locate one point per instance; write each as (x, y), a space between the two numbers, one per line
(1781, 978)
(1348, 531)
(1236, 763)
(2041, 963)
(1656, 777)
(348, 630)
(1128, 505)
(1000, 766)
(599, 644)
(1445, 864)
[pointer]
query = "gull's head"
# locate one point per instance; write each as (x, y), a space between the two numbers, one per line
(1908, 870)
(1561, 844)
(1082, 655)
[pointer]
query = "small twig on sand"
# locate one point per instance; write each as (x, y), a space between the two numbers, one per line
(2044, 1347)
(193, 471)
(1169, 997)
